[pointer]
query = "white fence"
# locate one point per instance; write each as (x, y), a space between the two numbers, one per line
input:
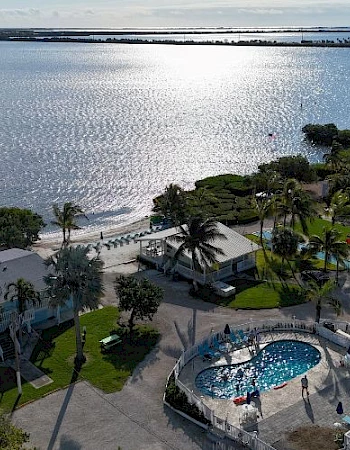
(231, 431)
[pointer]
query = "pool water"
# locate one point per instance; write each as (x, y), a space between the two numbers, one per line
(275, 364)
(267, 235)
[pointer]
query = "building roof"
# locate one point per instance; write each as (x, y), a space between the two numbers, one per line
(233, 247)
(16, 263)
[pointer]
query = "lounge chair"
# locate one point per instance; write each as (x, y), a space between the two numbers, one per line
(346, 419)
(243, 337)
(214, 353)
(203, 354)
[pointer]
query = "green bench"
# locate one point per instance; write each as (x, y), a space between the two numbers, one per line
(110, 341)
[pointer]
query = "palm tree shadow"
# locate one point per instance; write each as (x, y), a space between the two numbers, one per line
(67, 443)
(64, 407)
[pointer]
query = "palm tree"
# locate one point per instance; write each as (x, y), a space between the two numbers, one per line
(75, 276)
(296, 203)
(339, 205)
(318, 294)
(66, 219)
(264, 208)
(285, 244)
(329, 243)
(197, 238)
(172, 204)
(334, 159)
(24, 293)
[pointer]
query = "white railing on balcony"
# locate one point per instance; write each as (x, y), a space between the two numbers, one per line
(231, 431)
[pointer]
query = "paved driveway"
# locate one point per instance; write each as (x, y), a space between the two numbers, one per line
(82, 417)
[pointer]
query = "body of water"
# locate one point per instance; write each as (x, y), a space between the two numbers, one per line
(109, 126)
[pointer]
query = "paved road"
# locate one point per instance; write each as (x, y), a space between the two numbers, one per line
(81, 417)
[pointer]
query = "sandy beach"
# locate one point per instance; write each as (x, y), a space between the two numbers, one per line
(116, 260)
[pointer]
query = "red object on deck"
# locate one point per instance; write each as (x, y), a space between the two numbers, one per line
(280, 386)
(239, 400)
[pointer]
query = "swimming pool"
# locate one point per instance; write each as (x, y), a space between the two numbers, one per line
(275, 364)
(267, 235)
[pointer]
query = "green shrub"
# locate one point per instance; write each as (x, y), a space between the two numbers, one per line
(178, 400)
(322, 171)
(321, 134)
(247, 216)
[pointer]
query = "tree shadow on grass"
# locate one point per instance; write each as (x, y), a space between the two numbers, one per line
(291, 296)
(136, 353)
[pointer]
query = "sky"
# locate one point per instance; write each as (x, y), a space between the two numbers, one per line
(172, 13)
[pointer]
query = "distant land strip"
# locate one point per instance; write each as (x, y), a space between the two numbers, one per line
(252, 43)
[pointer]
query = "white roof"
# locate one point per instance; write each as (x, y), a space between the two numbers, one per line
(233, 247)
(16, 263)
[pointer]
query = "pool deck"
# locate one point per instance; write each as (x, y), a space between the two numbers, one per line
(284, 409)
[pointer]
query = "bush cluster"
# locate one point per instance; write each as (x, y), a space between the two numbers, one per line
(178, 400)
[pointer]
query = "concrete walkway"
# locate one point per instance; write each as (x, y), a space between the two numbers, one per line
(82, 417)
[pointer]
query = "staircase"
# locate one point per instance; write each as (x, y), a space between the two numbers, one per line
(7, 345)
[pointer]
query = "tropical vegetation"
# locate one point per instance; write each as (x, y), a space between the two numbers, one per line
(66, 219)
(12, 437)
(19, 228)
(196, 238)
(76, 277)
(140, 297)
(55, 351)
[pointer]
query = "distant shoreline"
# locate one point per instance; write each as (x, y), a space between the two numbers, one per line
(254, 43)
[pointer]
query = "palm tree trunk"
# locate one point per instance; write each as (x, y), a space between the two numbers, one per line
(325, 260)
(131, 323)
(80, 358)
(293, 273)
(337, 272)
(261, 235)
(318, 311)
(64, 236)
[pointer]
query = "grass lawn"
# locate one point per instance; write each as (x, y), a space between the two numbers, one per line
(316, 227)
(266, 295)
(54, 355)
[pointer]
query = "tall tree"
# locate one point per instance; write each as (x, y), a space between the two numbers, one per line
(197, 238)
(140, 297)
(23, 292)
(66, 219)
(264, 208)
(19, 227)
(331, 244)
(320, 294)
(172, 204)
(284, 243)
(296, 203)
(75, 276)
(339, 205)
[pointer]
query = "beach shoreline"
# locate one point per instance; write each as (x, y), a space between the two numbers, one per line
(48, 245)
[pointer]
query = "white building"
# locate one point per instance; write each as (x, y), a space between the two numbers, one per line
(239, 254)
